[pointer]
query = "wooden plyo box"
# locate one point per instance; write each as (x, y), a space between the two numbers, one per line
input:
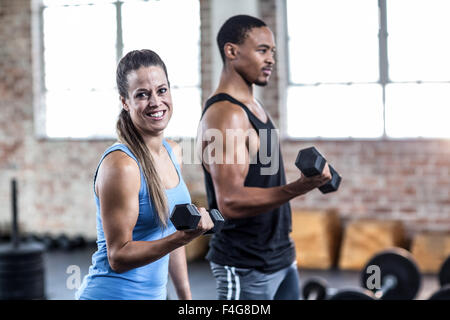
(430, 249)
(364, 238)
(316, 235)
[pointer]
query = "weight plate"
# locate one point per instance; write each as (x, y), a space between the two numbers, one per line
(441, 294)
(353, 294)
(444, 273)
(399, 263)
(315, 286)
(23, 291)
(21, 281)
(24, 249)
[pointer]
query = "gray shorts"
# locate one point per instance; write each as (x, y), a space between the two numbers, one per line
(234, 283)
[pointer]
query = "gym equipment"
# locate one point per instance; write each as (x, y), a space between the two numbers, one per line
(68, 244)
(22, 274)
(49, 242)
(311, 163)
(400, 275)
(353, 294)
(441, 294)
(444, 273)
(316, 288)
(400, 278)
(186, 217)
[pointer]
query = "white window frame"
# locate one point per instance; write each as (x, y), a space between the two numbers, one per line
(383, 81)
(39, 89)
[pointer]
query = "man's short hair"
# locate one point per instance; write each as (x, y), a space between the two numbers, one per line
(235, 30)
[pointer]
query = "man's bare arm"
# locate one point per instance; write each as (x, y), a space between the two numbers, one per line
(233, 198)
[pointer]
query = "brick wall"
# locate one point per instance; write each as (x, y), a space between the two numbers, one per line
(406, 180)
(54, 177)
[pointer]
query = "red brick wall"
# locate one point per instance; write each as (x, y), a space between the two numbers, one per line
(54, 177)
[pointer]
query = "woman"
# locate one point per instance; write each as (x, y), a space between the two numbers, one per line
(136, 185)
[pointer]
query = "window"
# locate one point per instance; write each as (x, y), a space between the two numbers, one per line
(82, 44)
(368, 69)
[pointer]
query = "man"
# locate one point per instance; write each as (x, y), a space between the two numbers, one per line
(253, 256)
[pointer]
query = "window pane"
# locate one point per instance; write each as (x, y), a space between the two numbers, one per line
(73, 2)
(335, 111)
(333, 41)
(79, 47)
(419, 39)
(186, 112)
(81, 114)
(173, 34)
(418, 110)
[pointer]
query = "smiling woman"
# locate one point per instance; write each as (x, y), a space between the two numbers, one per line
(137, 183)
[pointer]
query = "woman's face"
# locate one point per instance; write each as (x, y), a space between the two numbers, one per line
(149, 100)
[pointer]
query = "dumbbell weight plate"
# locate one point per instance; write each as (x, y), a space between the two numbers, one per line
(444, 273)
(315, 286)
(185, 217)
(310, 162)
(442, 294)
(333, 184)
(217, 219)
(399, 263)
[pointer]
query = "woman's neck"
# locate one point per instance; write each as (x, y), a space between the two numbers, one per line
(154, 143)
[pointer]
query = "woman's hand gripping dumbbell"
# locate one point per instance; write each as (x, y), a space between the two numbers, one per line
(187, 217)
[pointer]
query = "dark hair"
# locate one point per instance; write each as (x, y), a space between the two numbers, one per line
(235, 30)
(133, 60)
(130, 136)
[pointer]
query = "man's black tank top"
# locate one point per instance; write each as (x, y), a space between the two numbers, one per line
(261, 242)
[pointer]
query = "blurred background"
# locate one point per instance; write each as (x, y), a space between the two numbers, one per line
(365, 82)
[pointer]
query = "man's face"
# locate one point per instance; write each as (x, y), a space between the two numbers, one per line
(255, 57)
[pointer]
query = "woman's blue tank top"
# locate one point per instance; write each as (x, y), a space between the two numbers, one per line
(146, 282)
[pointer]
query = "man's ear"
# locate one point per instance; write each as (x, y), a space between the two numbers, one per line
(230, 50)
(124, 104)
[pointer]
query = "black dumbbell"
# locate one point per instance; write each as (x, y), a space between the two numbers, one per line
(311, 163)
(186, 217)
(443, 293)
(444, 273)
(400, 278)
(317, 289)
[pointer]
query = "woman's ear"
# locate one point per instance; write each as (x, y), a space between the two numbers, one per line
(124, 104)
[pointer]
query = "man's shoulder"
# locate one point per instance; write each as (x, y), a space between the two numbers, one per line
(225, 112)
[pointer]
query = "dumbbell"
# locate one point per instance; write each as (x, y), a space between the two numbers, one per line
(67, 244)
(186, 217)
(400, 278)
(317, 289)
(311, 163)
(444, 280)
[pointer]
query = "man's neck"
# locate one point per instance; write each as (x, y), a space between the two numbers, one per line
(232, 83)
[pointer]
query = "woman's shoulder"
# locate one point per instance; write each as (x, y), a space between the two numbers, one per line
(120, 162)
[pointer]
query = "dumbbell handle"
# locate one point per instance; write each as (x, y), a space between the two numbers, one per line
(218, 220)
(314, 294)
(389, 283)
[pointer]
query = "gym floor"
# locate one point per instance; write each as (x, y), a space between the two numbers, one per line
(59, 278)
